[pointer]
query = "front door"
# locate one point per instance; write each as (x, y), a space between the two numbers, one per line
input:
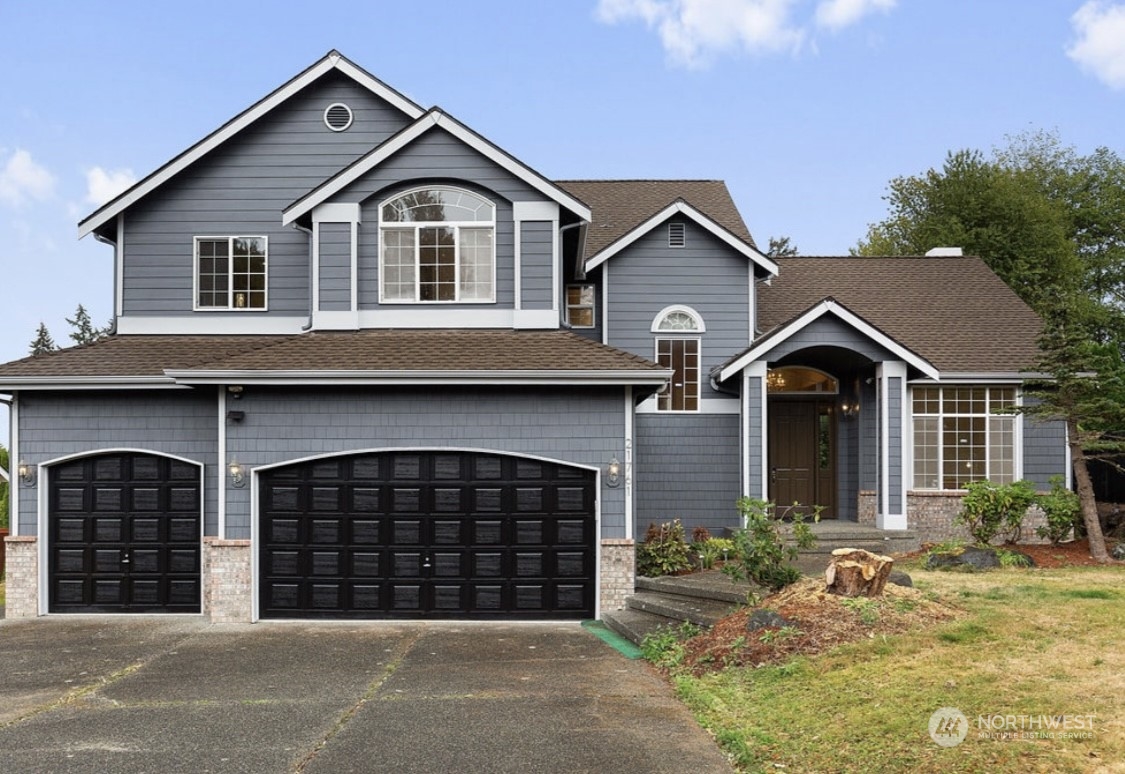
(802, 455)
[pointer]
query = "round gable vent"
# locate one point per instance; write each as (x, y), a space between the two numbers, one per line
(338, 117)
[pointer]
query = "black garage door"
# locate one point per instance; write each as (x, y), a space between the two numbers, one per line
(124, 532)
(427, 534)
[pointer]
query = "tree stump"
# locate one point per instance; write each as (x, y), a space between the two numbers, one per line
(854, 572)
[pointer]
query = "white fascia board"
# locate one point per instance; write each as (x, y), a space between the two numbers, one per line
(825, 307)
(682, 208)
(332, 61)
(616, 378)
(434, 118)
(89, 383)
(976, 377)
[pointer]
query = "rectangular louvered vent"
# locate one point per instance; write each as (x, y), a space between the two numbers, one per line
(676, 235)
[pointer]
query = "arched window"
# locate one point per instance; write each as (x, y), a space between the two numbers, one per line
(437, 244)
(678, 351)
(795, 379)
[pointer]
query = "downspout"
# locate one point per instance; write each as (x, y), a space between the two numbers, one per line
(116, 267)
(308, 326)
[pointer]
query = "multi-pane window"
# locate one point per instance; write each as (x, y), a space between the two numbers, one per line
(960, 437)
(437, 245)
(580, 306)
(230, 272)
(680, 354)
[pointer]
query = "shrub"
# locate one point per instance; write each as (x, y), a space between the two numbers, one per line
(1062, 509)
(760, 553)
(990, 510)
(712, 550)
(664, 550)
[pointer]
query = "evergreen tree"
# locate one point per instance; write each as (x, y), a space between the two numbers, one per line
(84, 331)
(42, 343)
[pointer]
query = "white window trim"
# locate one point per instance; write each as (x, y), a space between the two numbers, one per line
(230, 272)
(656, 321)
(699, 378)
(1017, 435)
(415, 225)
(593, 306)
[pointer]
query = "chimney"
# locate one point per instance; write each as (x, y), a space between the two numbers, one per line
(944, 252)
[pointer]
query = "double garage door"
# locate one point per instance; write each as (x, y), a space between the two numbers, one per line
(415, 534)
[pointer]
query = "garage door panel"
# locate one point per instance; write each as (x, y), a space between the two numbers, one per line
(115, 544)
(428, 533)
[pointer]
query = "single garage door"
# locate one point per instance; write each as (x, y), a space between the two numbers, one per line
(427, 534)
(124, 532)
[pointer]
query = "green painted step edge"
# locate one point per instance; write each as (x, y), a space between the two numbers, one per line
(612, 639)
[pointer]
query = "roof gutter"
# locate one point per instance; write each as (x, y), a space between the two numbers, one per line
(593, 378)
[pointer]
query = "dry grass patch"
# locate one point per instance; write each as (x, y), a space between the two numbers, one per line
(1024, 644)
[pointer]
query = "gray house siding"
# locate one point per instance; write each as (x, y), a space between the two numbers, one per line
(706, 275)
(335, 267)
(830, 331)
(536, 264)
(184, 424)
(757, 427)
(1044, 451)
(240, 189)
(895, 441)
(688, 468)
(574, 425)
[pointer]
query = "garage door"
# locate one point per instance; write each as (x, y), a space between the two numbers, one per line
(124, 532)
(427, 534)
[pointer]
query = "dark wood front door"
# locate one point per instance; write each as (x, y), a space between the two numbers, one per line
(802, 455)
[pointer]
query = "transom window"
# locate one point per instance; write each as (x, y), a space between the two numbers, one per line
(437, 245)
(678, 318)
(959, 437)
(580, 306)
(795, 379)
(230, 272)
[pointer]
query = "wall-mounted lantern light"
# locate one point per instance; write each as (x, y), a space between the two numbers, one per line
(849, 409)
(237, 474)
(26, 473)
(613, 472)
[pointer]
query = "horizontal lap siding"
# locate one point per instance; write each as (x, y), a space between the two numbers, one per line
(335, 267)
(830, 331)
(55, 425)
(706, 275)
(687, 468)
(241, 189)
(579, 426)
(1044, 451)
(536, 264)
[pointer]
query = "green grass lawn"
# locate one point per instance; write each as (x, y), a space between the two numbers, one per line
(1032, 643)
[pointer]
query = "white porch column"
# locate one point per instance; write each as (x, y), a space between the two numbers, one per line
(755, 457)
(893, 416)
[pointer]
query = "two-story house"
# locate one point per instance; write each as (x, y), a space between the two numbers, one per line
(367, 364)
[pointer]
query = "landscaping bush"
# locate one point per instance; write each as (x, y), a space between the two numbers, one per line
(1063, 510)
(995, 510)
(664, 550)
(712, 550)
(760, 553)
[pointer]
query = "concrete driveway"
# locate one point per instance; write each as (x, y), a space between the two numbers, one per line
(158, 694)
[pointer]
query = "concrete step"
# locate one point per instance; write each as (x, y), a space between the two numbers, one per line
(702, 612)
(635, 625)
(711, 585)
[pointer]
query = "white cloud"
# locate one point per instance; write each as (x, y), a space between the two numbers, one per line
(837, 14)
(22, 179)
(102, 185)
(1100, 48)
(694, 32)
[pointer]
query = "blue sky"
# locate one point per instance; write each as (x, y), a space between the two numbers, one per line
(807, 108)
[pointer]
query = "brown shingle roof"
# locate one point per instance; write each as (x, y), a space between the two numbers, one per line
(369, 350)
(952, 311)
(619, 206)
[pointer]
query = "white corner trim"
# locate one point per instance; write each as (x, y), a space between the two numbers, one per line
(336, 212)
(828, 306)
(119, 264)
(280, 95)
(535, 211)
(605, 304)
(630, 517)
(517, 249)
(704, 221)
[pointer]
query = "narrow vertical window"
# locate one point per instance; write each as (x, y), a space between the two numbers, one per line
(679, 353)
(580, 306)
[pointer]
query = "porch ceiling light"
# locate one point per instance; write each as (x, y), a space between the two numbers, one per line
(237, 474)
(26, 473)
